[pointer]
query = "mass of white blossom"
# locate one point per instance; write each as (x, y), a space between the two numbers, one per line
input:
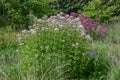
(57, 22)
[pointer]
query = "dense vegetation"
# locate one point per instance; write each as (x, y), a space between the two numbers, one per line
(19, 13)
(68, 6)
(103, 9)
(39, 42)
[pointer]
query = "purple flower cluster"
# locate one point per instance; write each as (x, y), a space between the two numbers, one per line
(73, 14)
(92, 26)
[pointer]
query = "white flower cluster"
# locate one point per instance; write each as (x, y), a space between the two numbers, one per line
(63, 20)
(32, 31)
(58, 22)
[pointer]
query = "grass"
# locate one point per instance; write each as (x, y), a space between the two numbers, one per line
(48, 68)
(113, 33)
(113, 38)
(8, 56)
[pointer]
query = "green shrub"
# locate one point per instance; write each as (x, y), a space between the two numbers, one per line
(91, 65)
(117, 4)
(68, 6)
(43, 53)
(99, 9)
(47, 50)
(17, 13)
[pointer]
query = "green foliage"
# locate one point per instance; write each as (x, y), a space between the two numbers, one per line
(7, 41)
(103, 9)
(17, 13)
(56, 48)
(69, 6)
(117, 4)
(90, 65)
(113, 33)
(8, 57)
(99, 9)
(46, 51)
(115, 73)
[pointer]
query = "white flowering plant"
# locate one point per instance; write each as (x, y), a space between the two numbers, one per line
(87, 27)
(60, 40)
(58, 22)
(54, 46)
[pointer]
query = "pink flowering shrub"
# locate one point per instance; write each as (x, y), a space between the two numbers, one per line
(93, 27)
